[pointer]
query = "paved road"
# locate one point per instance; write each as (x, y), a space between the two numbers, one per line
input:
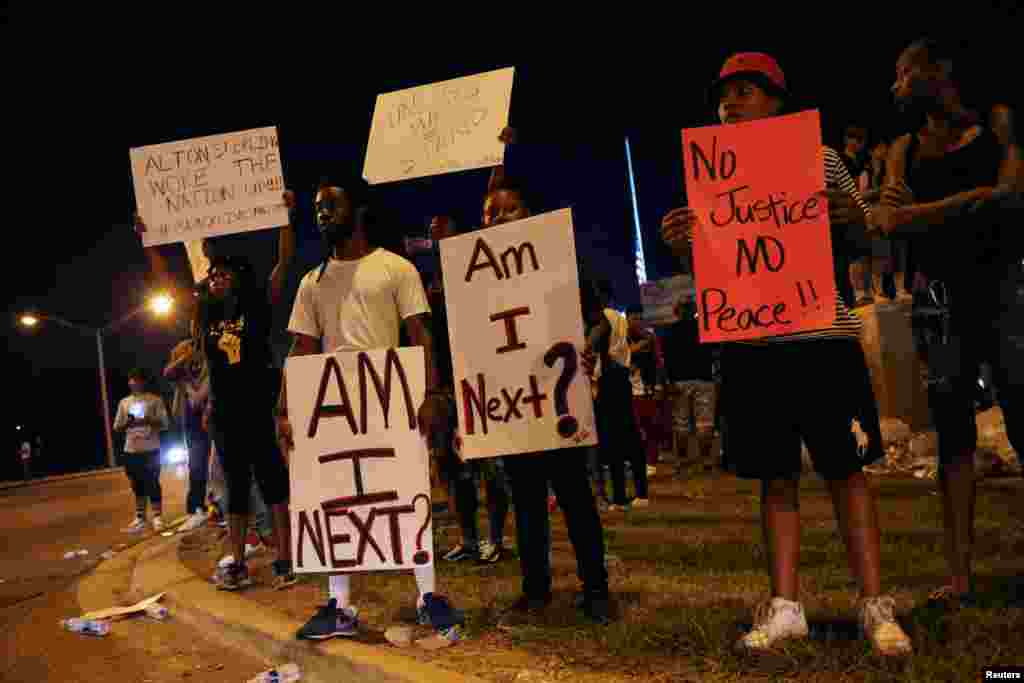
(38, 524)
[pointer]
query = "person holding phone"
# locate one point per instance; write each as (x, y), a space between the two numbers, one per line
(142, 416)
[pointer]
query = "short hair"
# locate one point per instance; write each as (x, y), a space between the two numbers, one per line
(936, 51)
(514, 185)
(140, 374)
(355, 186)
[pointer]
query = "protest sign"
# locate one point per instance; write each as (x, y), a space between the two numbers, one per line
(763, 252)
(514, 319)
(215, 185)
(360, 482)
(439, 128)
(659, 298)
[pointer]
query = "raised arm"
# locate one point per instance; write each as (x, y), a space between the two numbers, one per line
(285, 252)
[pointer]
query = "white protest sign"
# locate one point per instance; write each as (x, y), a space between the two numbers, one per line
(214, 185)
(659, 298)
(513, 301)
(439, 128)
(360, 482)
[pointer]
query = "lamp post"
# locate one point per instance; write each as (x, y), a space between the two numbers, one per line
(161, 305)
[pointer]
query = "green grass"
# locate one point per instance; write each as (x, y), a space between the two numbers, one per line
(687, 571)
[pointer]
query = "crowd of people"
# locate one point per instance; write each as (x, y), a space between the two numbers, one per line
(932, 205)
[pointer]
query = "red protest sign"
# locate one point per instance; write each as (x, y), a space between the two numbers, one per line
(763, 250)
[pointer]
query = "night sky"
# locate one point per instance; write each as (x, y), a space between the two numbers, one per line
(82, 92)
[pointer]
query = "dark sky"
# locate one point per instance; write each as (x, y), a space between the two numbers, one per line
(83, 90)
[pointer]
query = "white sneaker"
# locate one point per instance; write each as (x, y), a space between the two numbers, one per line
(137, 526)
(251, 550)
(774, 620)
(195, 521)
(158, 523)
(878, 623)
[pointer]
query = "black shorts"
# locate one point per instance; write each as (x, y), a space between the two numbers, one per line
(246, 439)
(778, 396)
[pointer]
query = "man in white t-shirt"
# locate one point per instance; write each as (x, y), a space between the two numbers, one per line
(26, 459)
(358, 299)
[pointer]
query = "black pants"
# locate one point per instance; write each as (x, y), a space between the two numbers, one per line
(566, 470)
(620, 438)
(198, 443)
(247, 442)
(143, 470)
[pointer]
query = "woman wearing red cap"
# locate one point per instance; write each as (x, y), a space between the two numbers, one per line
(817, 379)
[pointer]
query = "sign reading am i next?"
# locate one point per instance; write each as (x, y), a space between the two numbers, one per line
(204, 187)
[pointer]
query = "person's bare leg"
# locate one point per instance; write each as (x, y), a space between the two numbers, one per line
(780, 519)
(238, 527)
(282, 534)
(956, 480)
(857, 515)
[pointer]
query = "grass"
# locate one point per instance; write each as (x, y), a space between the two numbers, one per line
(685, 574)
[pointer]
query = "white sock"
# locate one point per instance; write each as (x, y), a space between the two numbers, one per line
(340, 587)
(426, 582)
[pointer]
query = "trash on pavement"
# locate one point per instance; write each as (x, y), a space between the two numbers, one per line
(399, 636)
(89, 627)
(158, 612)
(287, 673)
(82, 553)
(108, 555)
(70, 555)
(167, 533)
(441, 640)
(120, 612)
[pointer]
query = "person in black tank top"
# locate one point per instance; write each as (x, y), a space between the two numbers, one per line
(941, 193)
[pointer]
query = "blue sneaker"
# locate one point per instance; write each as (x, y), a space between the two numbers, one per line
(329, 621)
(439, 613)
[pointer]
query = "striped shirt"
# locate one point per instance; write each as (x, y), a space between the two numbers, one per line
(845, 324)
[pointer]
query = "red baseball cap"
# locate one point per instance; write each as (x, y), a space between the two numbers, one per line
(756, 66)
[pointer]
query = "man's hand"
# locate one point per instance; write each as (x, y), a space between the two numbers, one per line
(677, 228)
(289, 200)
(896, 195)
(589, 360)
(285, 438)
(205, 421)
(140, 226)
(433, 415)
(508, 136)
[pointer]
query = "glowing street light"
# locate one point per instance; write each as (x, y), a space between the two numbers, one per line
(161, 304)
(29, 320)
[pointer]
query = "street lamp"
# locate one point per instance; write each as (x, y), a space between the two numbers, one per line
(161, 305)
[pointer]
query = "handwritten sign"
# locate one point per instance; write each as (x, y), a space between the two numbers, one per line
(360, 482)
(763, 254)
(515, 325)
(439, 128)
(215, 185)
(659, 298)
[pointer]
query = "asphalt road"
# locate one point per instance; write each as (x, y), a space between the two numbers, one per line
(38, 524)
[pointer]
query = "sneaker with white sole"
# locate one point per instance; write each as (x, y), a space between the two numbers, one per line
(877, 617)
(196, 520)
(461, 553)
(158, 523)
(775, 620)
(138, 525)
(489, 553)
(330, 621)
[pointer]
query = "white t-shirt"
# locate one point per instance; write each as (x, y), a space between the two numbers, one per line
(359, 305)
(141, 438)
(618, 345)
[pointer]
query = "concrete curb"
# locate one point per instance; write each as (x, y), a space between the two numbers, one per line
(62, 477)
(153, 567)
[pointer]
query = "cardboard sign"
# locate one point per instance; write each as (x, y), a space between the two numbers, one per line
(514, 319)
(360, 481)
(763, 253)
(439, 128)
(204, 187)
(659, 298)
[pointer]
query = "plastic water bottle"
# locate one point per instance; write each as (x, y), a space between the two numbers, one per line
(289, 673)
(88, 627)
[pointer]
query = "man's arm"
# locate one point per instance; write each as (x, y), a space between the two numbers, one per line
(285, 252)
(121, 418)
(302, 345)
(418, 329)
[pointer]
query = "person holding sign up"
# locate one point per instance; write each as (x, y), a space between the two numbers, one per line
(532, 474)
(802, 386)
(357, 300)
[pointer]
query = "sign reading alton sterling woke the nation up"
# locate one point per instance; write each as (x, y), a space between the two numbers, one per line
(204, 187)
